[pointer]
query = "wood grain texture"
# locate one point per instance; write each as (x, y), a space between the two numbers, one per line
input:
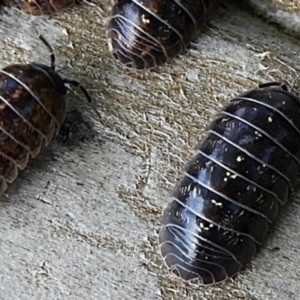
(285, 13)
(81, 222)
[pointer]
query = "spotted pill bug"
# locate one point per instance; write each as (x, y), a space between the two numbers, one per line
(246, 166)
(144, 34)
(33, 107)
(41, 7)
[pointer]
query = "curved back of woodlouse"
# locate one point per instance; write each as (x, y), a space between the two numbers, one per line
(145, 34)
(32, 109)
(244, 169)
(41, 7)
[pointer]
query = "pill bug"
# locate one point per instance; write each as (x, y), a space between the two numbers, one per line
(146, 33)
(41, 7)
(33, 107)
(246, 166)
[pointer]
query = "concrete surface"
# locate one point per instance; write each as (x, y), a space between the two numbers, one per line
(81, 221)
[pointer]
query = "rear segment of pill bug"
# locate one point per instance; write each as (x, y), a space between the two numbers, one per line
(244, 169)
(41, 7)
(144, 34)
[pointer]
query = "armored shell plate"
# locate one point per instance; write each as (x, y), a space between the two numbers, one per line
(245, 168)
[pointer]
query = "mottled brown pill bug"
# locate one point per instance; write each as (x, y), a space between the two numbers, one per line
(245, 167)
(33, 107)
(41, 7)
(144, 34)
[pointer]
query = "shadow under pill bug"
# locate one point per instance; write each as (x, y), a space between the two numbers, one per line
(33, 107)
(144, 34)
(41, 7)
(245, 168)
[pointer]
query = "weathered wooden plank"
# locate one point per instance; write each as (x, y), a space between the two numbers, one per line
(285, 13)
(81, 222)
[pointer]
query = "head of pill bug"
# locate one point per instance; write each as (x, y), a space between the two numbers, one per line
(55, 78)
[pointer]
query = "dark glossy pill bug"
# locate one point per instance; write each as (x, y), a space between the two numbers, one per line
(245, 167)
(33, 107)
(41, 7)
(144, 34)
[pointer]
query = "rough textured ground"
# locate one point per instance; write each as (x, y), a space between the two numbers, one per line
(285, 13)
(81, 222)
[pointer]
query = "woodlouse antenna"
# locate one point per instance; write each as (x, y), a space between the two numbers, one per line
(52, 55)
(46, 43)
(78, 85)
(84, 91)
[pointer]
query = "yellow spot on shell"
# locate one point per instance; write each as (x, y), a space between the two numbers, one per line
(145, 20)
(240, 158)
(217, 204)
